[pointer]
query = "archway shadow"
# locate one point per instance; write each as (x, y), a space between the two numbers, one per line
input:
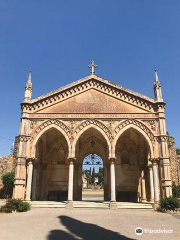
(81, 230)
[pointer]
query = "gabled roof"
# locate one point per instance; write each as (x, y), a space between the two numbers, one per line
(89, 78)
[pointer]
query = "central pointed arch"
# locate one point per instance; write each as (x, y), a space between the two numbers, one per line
(100, 127)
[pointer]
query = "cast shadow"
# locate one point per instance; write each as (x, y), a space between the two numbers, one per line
(80, 230)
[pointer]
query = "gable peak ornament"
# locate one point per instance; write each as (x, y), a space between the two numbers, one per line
(92, 66)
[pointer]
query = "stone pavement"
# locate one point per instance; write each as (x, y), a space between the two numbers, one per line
(90, 224)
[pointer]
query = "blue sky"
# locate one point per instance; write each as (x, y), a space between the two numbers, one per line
(58, 39)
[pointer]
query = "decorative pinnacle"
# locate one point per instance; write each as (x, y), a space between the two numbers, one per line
(92, 66)
(156, 76)
(29, 83)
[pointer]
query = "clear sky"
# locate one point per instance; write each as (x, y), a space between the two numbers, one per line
(58, 39)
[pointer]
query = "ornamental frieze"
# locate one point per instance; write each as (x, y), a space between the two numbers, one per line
(74, 90)
(24, 138)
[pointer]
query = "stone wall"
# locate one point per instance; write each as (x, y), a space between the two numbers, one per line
(174, 161)
(7, 164)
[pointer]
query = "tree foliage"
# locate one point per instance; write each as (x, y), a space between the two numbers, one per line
(175, 190)
(169, 204)
(8, 179)
(178, 151)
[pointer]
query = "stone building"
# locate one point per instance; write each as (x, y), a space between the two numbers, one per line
(126, 129)
(174, 161)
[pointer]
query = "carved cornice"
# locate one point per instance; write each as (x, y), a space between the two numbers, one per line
(162, 138)
(106, 87)
(24, 138)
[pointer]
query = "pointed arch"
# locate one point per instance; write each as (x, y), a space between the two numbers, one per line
(92, 123)
(140, 127)
(86, 151)
(46, 126)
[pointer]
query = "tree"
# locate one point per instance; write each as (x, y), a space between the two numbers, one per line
(93, 176)
(8, 182)
(100, 176)
(178, 151)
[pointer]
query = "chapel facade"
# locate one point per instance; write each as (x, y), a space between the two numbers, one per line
(93, 115)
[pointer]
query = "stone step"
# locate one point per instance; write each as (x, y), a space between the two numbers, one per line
(135, 205)
(84, 204)
(47, 204)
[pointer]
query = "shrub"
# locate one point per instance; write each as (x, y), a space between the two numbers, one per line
(176, 191)
(169, 204)
(24, 207)
(15, 205)
(8, 210)
(8, 179)
(4, 196)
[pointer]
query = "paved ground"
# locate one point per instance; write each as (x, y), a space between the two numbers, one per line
(93, 195)
(66, 224)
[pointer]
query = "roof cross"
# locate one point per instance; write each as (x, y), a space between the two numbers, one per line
(92, 66)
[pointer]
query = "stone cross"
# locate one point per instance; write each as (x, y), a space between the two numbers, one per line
(92, 66)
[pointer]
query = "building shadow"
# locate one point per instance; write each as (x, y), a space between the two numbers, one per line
(81, 230)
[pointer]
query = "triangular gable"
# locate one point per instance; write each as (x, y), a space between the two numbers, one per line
(91, 82)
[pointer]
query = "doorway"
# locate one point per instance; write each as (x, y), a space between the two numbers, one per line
(92, 178)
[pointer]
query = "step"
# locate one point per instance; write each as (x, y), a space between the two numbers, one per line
(47, 204)
(84, 204)
(135, 205)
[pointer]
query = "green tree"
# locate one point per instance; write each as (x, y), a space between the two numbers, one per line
(178, 151)
(93, 176)
(8, 179)
(101, 176)
(8, 182)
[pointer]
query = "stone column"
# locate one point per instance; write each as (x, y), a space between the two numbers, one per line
(143, 186)
(155, 180)
(43, 183)
(20, 178)
(29, 179)
(70, 183)
(34, 184)
(22, 146)
(113, 204)
(151, 183)
(165, 175)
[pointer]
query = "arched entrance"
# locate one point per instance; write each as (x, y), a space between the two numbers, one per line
(51, 167)
(91, 144)
(132, 167)
(92, 177)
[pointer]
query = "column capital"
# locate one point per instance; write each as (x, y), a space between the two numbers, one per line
(154, 161)
(71, 160)
(30, 160)
(150, 165)
(112, 160)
